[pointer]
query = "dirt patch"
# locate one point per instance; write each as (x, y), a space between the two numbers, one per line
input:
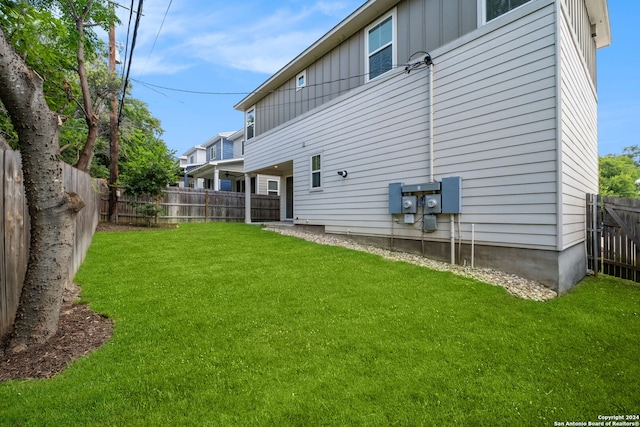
(80, 332)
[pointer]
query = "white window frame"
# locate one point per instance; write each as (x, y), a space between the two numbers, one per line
(393, 43)
(252, 111)
(482, 12)
(275, 192)
(212, 153)
(302, 75)
(312, 172)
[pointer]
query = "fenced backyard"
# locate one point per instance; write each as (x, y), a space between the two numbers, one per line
(179, 205)
(260, 329)
(14, 225)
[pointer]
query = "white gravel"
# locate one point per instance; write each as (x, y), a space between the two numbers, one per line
(518, 286)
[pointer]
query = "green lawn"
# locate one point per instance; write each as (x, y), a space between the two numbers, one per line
(227, 324)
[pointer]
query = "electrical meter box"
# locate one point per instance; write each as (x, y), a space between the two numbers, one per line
(452, 195)
(409, 204)
(432, 203)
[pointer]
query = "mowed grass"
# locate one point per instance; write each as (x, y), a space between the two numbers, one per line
(227, 324)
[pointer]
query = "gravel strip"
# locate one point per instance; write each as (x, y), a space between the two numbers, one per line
(518, 286)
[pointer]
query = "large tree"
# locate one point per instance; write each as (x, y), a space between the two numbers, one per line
(618, 176)
(52, 209)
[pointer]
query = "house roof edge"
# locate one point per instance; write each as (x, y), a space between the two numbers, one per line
(598, 11)
(353, 23)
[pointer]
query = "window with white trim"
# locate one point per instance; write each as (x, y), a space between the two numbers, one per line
(273, 187)
(495, 8)
(250, 120)
(212, 153)
(301, 80)
(380, 46)
(316, 171)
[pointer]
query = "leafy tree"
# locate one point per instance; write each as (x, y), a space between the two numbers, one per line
(147, 166)
(618, 176)
(64, 51)
(633, 151)
(47, 47)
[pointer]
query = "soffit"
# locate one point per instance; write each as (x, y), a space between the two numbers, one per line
(598, 11)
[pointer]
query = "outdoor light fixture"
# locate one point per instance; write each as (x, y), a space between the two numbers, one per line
(343, 173)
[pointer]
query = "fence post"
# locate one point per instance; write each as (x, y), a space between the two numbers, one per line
(594, 232)
(206, 206)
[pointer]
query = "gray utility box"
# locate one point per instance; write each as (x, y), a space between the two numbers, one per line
(429, 223)
(395, 198)
(452, 195)
(441, 197)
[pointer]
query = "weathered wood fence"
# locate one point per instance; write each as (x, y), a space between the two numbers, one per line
(14, 226)
(613, 241)
(196, 205)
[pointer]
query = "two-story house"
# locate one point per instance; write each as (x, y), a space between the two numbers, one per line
(220, 166)
(438, 126)
(193, 158)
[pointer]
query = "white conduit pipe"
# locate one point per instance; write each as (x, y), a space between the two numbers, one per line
(453, 239)
(431, 122)
(473, 242)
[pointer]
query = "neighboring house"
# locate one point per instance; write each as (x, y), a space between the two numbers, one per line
(495, 139)
(222, 166)
(192, 159)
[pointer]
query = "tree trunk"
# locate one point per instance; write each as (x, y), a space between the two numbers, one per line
(51, 208)
(113, 134)
(86, 156)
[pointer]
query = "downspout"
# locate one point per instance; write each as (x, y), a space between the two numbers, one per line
(430, 62)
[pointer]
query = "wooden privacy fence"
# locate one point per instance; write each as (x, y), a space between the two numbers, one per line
(196, 205)
(14, 225)
(613, 236)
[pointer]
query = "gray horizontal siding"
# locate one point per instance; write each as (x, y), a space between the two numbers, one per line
(579, 133)
(495, 125)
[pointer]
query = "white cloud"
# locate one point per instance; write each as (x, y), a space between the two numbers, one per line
(251, 36)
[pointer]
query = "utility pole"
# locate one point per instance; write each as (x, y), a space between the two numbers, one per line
(113, 130)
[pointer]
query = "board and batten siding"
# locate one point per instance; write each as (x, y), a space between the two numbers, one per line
(495, 125)
(579, 133)
(422, 25)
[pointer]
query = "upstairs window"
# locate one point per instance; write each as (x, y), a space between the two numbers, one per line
(380, 39)
(495, 8)
(212, 153)
(251, 122)
(301, 80)
(316, 171)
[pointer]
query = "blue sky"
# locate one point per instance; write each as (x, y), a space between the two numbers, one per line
(223, 47)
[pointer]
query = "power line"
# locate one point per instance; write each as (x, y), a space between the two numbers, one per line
(133, 45)
(330, 95)
(406, 67)
(157, 36)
